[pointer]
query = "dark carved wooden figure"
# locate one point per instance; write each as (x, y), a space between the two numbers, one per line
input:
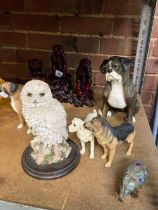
(36, 69)
(83, 94)
(60, 80)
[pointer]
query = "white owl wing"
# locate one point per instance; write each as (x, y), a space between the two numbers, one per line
(55, 122)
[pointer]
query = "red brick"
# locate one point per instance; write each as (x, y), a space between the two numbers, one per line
(47, 41)
(151, 47)
(99, 79)
(126, 27)
(87, 25)
(23, 56)
(90, 7)
(107, 7)
(150, 82)
(155, 49)
(55, 6)
(155, 29)
(14, 70)
(151, 66)
(36, 23)
(8, 55)
(116, 46)
(73, 60)
(12, 39)
(6, 22)
(149, 110)
(147, 97)
(87, 44)
(122, 7)
(156, 10)
(15, 5)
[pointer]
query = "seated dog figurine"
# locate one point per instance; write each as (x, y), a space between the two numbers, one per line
(11, 89)
(83, 134)
(108, 137)
(119, 91)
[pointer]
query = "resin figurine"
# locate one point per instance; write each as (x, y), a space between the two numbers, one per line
(60, 79)
(36, 68)
(108, 137)
(134, 177)
(83, 134)
(90, 116)
(46, 119)
(12, 90)
(119, 93)
(83, 94)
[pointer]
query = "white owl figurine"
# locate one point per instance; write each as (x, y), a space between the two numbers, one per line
(46, 119)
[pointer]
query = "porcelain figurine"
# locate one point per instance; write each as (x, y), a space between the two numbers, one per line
(60, 80)
(12, 90)
(36, 68)
(46, 118)
(134, 177)
(83, 94)
(90, 116)
(83, 134)
(108, 137)
(119, 93)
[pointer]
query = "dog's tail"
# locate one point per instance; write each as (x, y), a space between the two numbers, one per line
(122, 131)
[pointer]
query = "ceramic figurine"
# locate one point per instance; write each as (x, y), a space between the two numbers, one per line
(36, 68)
(108, 137)
(60, 79)
(83, 94)
(90, 116)
(134, 177)
(46, 118)
(1, 82)
(83, 134)
(12, 90)
(119, 91)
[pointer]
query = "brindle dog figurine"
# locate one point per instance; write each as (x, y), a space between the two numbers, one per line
(108, 137)
(119, 93)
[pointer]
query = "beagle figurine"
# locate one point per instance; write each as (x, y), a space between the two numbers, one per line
(10, 89)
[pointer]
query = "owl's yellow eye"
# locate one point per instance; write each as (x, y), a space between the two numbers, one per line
(29, 94)
(42, 94)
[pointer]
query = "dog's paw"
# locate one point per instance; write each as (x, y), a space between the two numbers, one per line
(108, 165)
(109, 113)
(28, 131)
(91, 156)
(20, 126)
(134, 119)
(128, 153)
(103, 157)
(82, 152)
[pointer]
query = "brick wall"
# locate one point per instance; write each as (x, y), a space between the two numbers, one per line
(95, 29)
(150, 84)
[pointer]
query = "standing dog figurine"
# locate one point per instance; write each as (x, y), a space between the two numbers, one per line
(119, 92)
(83, 134)
(11, 89)
(108, 137)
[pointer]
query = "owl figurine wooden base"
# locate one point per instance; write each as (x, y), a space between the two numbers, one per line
(46, 119)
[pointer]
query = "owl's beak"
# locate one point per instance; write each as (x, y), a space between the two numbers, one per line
(35, 102)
